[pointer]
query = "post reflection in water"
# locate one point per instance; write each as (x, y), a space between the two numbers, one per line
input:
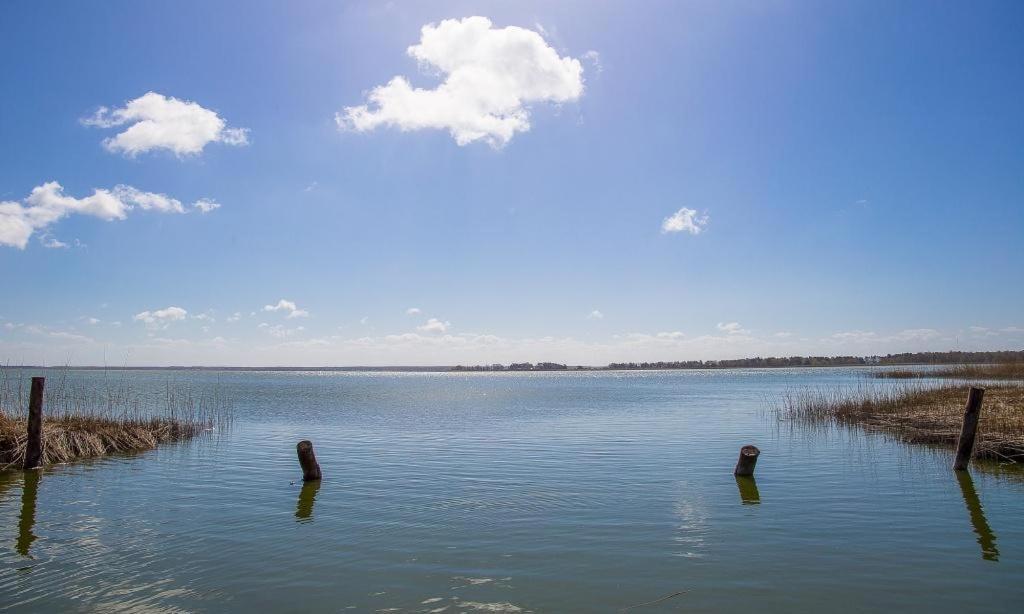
(748, 490)
(986, 538)
(307, 496)
(27, 519)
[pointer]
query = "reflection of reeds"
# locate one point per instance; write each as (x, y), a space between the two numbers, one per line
(919, 414)
(82, 420)
(1010, 371)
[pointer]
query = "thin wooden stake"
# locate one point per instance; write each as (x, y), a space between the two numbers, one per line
(972, 413)
(748, 460)
(34, 447)
(310, 468)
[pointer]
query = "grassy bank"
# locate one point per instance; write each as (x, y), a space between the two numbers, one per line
(83, 421)
(1007, 371)
(918, 414)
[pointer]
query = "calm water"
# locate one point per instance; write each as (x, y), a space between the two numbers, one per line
(588, 492)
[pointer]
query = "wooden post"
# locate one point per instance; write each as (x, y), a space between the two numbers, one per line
(748, 459)
(310, 468)
(972, 413)
(749, 494)
(34, 447)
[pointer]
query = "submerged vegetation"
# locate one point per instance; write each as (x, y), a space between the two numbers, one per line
(919, 414)
(82, 421)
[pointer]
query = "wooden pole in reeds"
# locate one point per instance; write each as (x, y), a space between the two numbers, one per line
(34, 446)
(748, 460)
(310, 468)
(972, 413)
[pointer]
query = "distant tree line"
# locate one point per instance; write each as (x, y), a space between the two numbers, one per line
(518, 366)
(907, 358)
(951, 358)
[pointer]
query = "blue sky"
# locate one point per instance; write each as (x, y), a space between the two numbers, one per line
(846, 178)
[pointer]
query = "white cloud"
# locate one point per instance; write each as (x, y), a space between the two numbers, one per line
(51, 242)
(148, 200)
(206, 205)
(413, 311)
(732, 328)
(288, 307)
(684, 220)
(160, 318)
(595, 315)
(280, 331)
(235, 317)
(163, 122)
(594, 58)
(433, 326)
(491, 75)
(48, 203)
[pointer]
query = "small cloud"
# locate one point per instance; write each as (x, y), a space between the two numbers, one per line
(413, 311)
(311, 187)
(364, 320)
(288, 307)
(732, 328)
(50, 242)
(595, 315)
(206, 205)
(684, 220)
(595, 60)
(235, 317)
(434, 325)
(163, 122)
(160, 318)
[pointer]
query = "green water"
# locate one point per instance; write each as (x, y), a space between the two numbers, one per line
(489, 492)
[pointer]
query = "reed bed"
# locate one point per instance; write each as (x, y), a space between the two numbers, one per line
(90, 419)
(1005, 371)
(916, 413)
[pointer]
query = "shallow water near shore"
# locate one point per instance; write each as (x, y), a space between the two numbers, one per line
(543, 492)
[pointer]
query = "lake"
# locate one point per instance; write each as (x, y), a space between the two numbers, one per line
(500, 492)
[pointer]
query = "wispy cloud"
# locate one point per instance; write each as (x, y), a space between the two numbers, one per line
(684, 220)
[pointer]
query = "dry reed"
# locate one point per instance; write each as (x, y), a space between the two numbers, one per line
(83, 420)
(1005, 371)
(919, 414)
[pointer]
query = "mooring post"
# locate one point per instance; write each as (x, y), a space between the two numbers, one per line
(34, 447)
(310, 468)
(748, 460)
(972, 413)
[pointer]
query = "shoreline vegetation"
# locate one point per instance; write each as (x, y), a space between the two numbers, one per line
(1004, 371)
(920, 414)
(81, 422)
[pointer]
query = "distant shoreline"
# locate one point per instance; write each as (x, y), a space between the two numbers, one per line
(790, 362)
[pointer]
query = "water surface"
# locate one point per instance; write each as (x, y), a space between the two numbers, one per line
(543, 492)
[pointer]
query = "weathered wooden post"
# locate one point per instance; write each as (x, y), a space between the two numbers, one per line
(748, 460)
(34, 447)
(749, 494)
(972, 413)
(310, 468)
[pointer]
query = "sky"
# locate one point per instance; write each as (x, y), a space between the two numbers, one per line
(369, 183)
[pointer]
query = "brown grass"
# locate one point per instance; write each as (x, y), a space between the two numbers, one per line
(1007, 371)
(919, 414)
(83, 421)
